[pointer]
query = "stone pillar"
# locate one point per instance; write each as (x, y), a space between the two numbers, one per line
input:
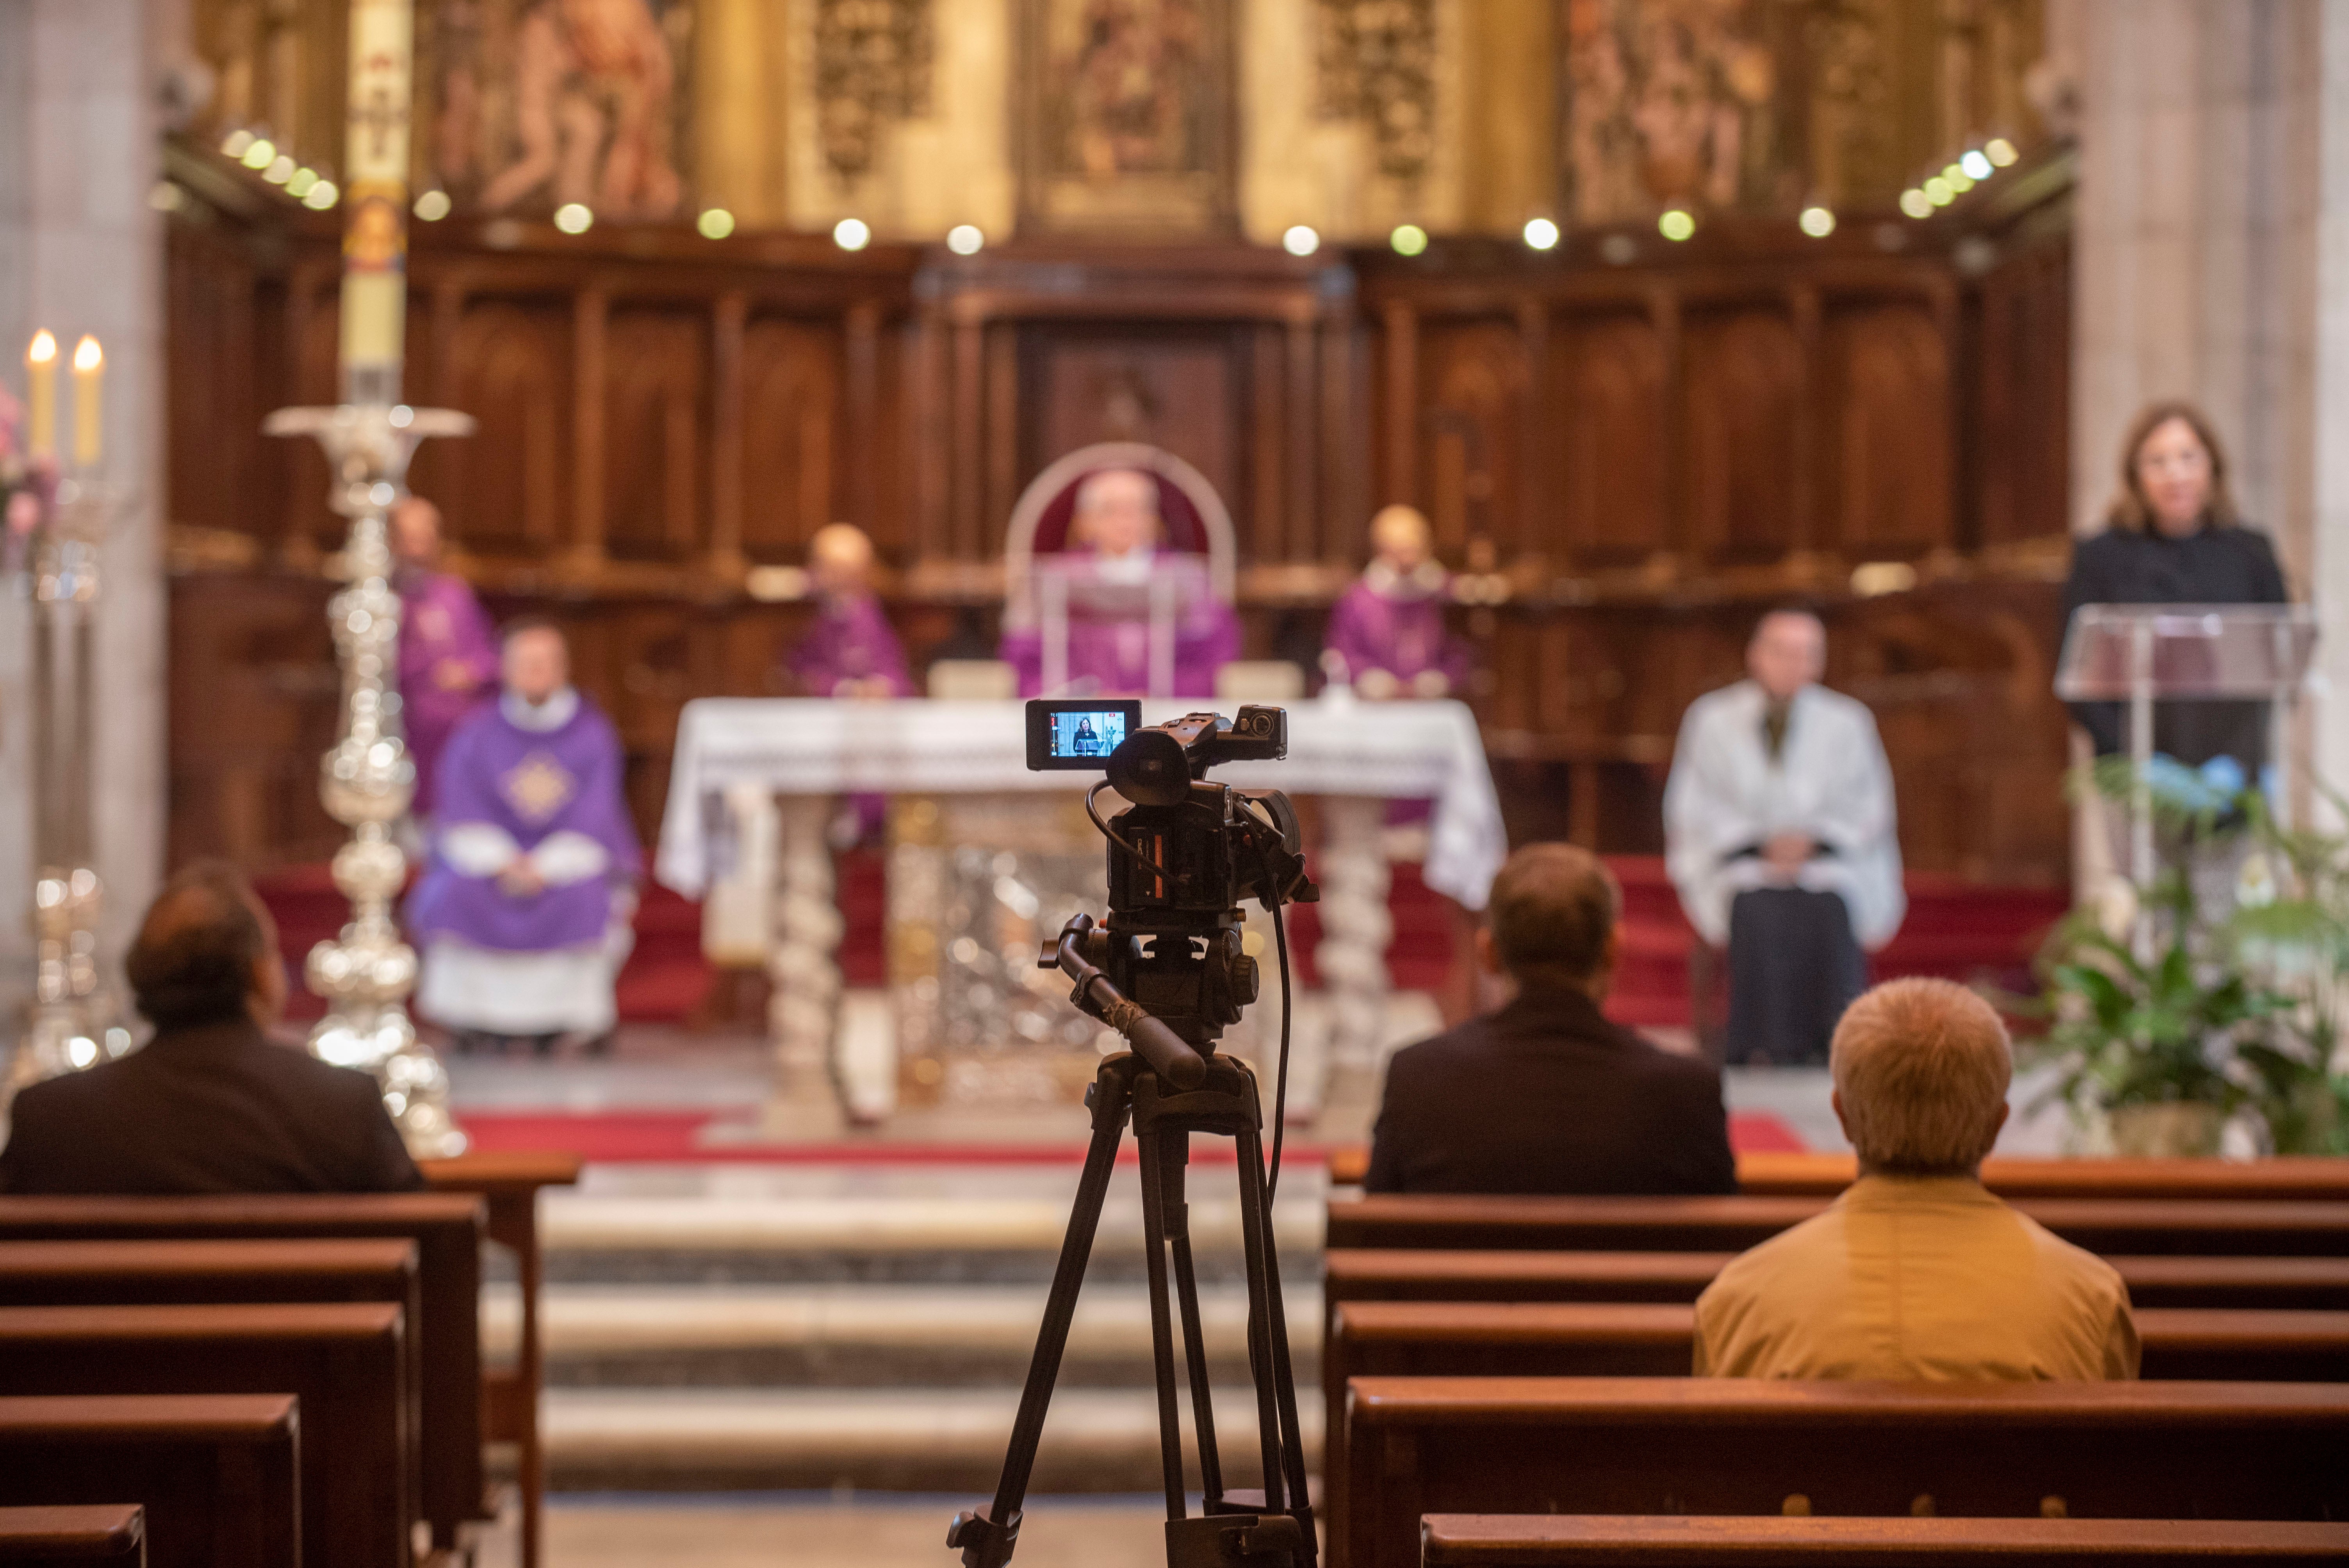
(2212, 263)
(81, 251)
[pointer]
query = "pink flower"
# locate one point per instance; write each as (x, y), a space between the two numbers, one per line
(24, 512)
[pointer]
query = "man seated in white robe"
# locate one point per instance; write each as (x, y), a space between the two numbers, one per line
(523, 910)
(1779, 834)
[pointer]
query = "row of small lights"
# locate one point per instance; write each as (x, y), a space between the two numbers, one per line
(265, 158)
(1972, 167)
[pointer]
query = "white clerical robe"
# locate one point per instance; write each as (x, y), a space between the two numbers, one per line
(1829, 781)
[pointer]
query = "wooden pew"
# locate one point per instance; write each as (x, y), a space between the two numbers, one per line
(74, 1534)
(1687, 1445)
(2301, 1284)
(1632, 1540)
(509, 1395)
(2166, 1227)
(215, 1475)
(447, 1229)
(1809, 1175)
(345, 1361)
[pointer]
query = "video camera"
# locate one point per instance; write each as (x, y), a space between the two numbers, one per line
(1182, 856)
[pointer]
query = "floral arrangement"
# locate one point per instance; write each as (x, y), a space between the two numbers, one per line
(28, 485)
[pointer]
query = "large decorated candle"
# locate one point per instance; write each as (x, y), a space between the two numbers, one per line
(41, 396)
(375, 234)
(89, 401)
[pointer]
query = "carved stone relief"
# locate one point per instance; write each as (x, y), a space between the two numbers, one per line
(872, 67)
(1377, 62)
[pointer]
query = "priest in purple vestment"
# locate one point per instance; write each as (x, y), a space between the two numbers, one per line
(1386, 637)
(1138, 622)
(448, 652)
(523, 910)
(849, 651)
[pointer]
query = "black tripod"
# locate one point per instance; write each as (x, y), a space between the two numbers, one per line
(1173, 1094)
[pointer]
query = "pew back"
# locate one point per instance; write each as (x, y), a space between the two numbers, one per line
(344, 1360)
(1684, 1446)
(1619, 1540)
(74, 1533)
(216, 1476)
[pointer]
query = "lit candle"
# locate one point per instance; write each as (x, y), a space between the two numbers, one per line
(89, 371)
(41, 392)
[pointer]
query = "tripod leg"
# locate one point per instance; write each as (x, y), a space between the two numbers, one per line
(987, 1541)
(1255, 1243)
(1162, 1333)
(1284, 1382)
(1186, 1296)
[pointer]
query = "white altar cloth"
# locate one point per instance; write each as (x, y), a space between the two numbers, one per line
(790, 746)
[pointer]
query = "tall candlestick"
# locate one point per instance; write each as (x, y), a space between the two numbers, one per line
(41, 393)
(375, 236)
(89, 377)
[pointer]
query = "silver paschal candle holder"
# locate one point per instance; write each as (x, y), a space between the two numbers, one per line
(366, 780)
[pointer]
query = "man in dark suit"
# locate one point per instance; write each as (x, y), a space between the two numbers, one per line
(210, 1104)
(1545, 1095)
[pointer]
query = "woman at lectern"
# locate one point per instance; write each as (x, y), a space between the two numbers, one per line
(2172, 537)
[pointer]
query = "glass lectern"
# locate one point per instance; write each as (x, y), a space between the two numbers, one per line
(2144, 654)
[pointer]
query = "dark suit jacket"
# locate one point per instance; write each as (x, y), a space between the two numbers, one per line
(1547, 1096)
(213, 1108)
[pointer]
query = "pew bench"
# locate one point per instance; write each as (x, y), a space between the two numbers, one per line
(215, 1476)
(345, 1361)
(1686, 1445)
(447, 1230)
(2192, 1228)
(2301, 1284)
(107, 1533)
(1619, 1541)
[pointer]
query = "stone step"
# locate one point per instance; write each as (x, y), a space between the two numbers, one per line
(913, 1440)
(868, 1336)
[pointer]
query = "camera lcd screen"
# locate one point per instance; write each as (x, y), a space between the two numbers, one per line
(1079, 733)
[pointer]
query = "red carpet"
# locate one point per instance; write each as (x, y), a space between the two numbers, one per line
(668, 1137)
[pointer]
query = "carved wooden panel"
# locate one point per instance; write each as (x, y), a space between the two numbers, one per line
(1610, 429)
(2022, 399)
(1741, 461)
(508, 486)
(1886, 489)
(210, 396)
(655, 412)
(1472, 382)
(1172, 388)
(793, 443)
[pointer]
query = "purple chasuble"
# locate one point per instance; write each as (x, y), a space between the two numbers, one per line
(1389, 623)
(1114, 652)
(850, 640)
(531, 784)
(448, 667)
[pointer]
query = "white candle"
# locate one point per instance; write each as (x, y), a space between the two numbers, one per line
(41, 395)
(89, 374)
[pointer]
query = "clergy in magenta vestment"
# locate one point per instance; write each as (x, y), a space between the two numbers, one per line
(522, 912)
(1387, 635)
(850, 649)
(448, 650)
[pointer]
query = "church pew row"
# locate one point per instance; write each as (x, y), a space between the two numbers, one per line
(446, 1229)
(2301, 1284)
(1621, 1541)
(1776, 1175)
(1656, 1339)
(508, 1181)
(1688, 1446)
(216, 1476)
(345, 1361)
(2180, 1227)
(73, 1535)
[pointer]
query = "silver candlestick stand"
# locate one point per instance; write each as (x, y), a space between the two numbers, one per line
(74, 1021)
(367, 779)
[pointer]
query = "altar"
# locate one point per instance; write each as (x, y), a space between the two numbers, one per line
(985, 855)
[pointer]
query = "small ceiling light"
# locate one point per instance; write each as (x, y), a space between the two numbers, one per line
(233, 144)
(258, 152)
(164, 197)
(574, 218)
(1939, 192)
(1541, 234)
(281, 169)
(303, 178)
(1676, 224)
(323, 195)
(1816, 222)
(715, 224)
(1976, 166)
(852, 233)
(433, 205)
(965, 240)
(1407, 239)
(1618, 249)
(1916, 203)
(2001, 150)
(1959, 180)
(1300, 241)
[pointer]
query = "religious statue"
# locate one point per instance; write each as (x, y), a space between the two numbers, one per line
(1387, 636)
(1124, 619)
(594, 91)
(448, 651)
